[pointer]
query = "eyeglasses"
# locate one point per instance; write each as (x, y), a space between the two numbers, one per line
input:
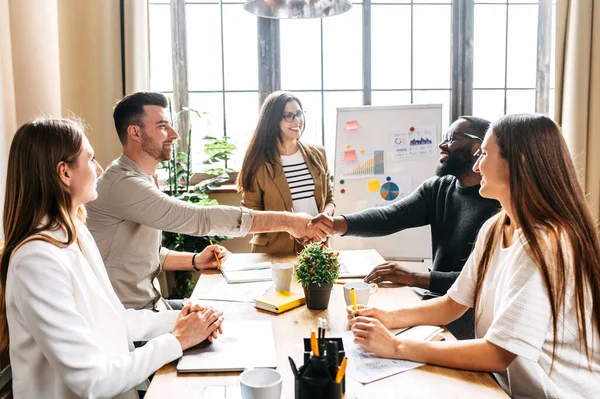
(449, 136)
(477, 153)
(290, 116)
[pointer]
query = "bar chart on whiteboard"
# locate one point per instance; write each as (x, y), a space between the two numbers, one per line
(361, 164)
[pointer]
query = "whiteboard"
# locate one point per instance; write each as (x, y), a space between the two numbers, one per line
(382, 154)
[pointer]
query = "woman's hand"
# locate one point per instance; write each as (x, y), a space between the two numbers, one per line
(384, 316)
(372, 335)
(193, 327)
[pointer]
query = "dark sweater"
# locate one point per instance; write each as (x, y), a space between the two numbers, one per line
(455, 214)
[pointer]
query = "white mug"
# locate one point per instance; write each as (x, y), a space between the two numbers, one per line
(362, 290)
(282, 276)
(261, 384)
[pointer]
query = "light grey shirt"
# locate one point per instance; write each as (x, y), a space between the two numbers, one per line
(126, 222)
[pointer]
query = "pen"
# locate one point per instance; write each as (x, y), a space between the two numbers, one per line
(353, 299)
(341, 371)
(314, 346)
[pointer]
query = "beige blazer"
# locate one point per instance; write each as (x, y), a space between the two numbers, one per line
(272, 193)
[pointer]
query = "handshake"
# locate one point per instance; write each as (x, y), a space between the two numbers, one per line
(308, 229)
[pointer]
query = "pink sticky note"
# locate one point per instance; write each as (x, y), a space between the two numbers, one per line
(349, 155)
(352, 125)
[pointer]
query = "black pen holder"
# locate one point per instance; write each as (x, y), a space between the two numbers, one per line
(328, 342)
(316, 382)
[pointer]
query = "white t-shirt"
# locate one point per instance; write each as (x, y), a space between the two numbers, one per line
(302, 185)
(514, 314)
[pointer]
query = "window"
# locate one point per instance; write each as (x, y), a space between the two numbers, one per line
(400, 53)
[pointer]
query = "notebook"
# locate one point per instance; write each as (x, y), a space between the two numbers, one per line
(243, 344)
(247, 273)
(279, 301)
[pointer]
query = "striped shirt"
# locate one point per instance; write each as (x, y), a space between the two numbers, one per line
(302, 185)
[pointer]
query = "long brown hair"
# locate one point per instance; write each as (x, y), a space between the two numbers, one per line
(267, 136)
(36, 199)
(550, 207)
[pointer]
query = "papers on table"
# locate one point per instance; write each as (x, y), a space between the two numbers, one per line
(247, 272)
(246, 292)
(236, 267)
(365, 367)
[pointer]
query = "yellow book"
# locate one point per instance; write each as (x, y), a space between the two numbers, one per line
(279, 301)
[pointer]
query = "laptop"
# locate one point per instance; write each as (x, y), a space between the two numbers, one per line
(243, 344)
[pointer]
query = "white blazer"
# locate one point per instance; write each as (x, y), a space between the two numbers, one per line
(70, 336)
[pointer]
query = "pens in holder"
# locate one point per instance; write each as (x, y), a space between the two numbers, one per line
(341, 371)
(353, 299)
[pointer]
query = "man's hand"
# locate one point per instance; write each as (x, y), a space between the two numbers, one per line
(206, 258)
(193, 327)
(384, 316)
(301, 229)
(371, 334)
(396, 273)
(323, 222)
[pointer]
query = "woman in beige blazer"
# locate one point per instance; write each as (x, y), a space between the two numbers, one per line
(280, 173)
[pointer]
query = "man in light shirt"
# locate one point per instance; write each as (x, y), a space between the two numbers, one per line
(127, 218)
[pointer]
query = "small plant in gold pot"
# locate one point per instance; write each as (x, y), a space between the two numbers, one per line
(318, 268)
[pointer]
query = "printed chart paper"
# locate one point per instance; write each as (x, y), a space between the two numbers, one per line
(420, 143)
(367, 164)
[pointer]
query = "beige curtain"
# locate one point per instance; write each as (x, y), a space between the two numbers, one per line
(63, 57)
(577, 107)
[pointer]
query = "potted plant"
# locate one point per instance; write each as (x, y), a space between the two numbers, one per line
(317, 270)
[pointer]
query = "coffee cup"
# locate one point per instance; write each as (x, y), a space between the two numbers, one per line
(260, 384)
(363, 292)
(282, 276)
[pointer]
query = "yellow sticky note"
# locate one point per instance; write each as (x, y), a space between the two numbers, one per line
(362, 151)
(348, 146)
(374, 185)
(350, 156)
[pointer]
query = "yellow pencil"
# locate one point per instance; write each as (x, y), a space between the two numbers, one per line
(341, 370)
(314, 345)
(217, 258)
(353, 299)
(340, 282)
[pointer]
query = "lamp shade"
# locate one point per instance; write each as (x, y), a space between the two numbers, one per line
(297, 9)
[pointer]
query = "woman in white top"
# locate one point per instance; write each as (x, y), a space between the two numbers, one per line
(533, 277)
(69, 334)
(281, 173)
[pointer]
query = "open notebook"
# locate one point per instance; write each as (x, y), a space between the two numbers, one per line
(247, 272)
(243, 344)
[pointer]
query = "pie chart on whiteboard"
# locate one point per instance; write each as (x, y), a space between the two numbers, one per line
(389, 191)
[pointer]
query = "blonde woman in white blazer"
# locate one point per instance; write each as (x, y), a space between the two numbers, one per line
(69, 334)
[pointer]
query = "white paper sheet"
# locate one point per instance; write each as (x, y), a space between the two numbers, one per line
(365, 367)
(244, 292)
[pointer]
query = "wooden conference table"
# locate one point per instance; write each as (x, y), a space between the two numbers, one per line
(292, 326)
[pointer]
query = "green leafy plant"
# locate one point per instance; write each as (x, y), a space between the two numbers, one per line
(218, 150)
(177, 185)
(317, 265)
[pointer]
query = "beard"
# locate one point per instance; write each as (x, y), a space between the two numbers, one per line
(458, 163)
(155, 150)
